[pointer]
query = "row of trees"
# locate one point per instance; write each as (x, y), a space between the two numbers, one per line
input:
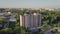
(51, 16)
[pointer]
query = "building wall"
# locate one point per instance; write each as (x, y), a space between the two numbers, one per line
(26, 20)
(20, 20)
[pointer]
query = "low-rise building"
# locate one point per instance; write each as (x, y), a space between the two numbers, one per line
(7, 18)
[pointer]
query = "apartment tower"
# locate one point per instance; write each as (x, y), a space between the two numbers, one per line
(30, 20)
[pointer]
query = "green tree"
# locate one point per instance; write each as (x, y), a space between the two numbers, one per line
(5, 30)
(1, 20)
(58, 33)
(21, 12)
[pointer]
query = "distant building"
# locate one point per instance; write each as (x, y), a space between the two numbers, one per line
(2, 10)
(30, 20)
(8, 17)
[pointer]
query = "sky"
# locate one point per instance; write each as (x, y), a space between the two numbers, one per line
(29, 3)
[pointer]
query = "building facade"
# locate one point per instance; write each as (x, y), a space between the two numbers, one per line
(30, 20)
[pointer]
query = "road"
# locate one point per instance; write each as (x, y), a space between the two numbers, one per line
(36, 28)
(53, 29)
